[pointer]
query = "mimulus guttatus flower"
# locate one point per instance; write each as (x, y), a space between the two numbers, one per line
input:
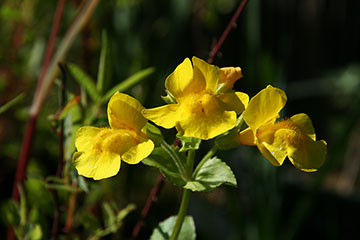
(100, 150)
(201, 111)
(293, 138)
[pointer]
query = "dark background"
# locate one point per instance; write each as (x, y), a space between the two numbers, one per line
(309, 48)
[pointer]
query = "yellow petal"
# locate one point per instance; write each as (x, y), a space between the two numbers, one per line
(164, 116)
(204, 117)
(229, 75)
(304, 122)
(181, 82)
(124, 112)
(264, 107)
(246, 137)
(97, 165)
(137, 153)
(309, 156)
(236, 101)
(207, 73)
(85, 137)
(265, 152)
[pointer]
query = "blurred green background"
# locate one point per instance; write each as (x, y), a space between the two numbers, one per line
(308, 48)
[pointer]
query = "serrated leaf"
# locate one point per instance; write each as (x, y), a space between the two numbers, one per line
(85, 81)
(210, 175)
(104, 63)
(188, 143)
(129, 82)
(160, 159)
(164, 229)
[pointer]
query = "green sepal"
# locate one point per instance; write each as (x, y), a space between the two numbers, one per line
(188, 143)
(160, 159)
(169, 98)
(211, 174)
(153, 133)
(164, 229)
(228, 140)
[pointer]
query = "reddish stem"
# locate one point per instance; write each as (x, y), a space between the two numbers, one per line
(225, 34)
(152, 198)
(51, 43)
(31, 125)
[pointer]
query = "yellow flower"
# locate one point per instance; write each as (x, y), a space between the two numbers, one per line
(200, 111)
(293, 138)
(100, 150)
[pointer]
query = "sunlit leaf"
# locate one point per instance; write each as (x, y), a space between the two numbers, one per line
(164, 229)
(160, 159)
(211, 174)
(189, 143)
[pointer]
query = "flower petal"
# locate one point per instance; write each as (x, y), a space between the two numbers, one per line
(309, 156)
(207, 73)
(181, 81)
(236, 101)
(85, 137)
(206, 126)
(124, 112)
(137, 153)
(264, 107)
(246, 137)
(265, 152)
(229, 75)
(97, 165)
(164, 116)
(304, 122)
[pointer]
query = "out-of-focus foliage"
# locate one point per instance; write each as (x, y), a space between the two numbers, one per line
(308, 48)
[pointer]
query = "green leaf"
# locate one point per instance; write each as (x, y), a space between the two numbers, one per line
(104, 63)
(188, 143)
(153, 133)
(85, 81)
(160, 159)
(164, 229)
(11, 103)
(210, 174)
(129, 82)
(109, 215)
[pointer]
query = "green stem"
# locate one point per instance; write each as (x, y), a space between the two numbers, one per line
(174, 156)
(205, 158)
(185, 198)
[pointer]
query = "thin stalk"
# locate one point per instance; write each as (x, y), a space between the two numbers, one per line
(43, 89)
(185, 199)
(174, 156)
(225, 34)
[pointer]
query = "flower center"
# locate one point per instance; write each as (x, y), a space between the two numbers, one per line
(285, 132)
(115, 140)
